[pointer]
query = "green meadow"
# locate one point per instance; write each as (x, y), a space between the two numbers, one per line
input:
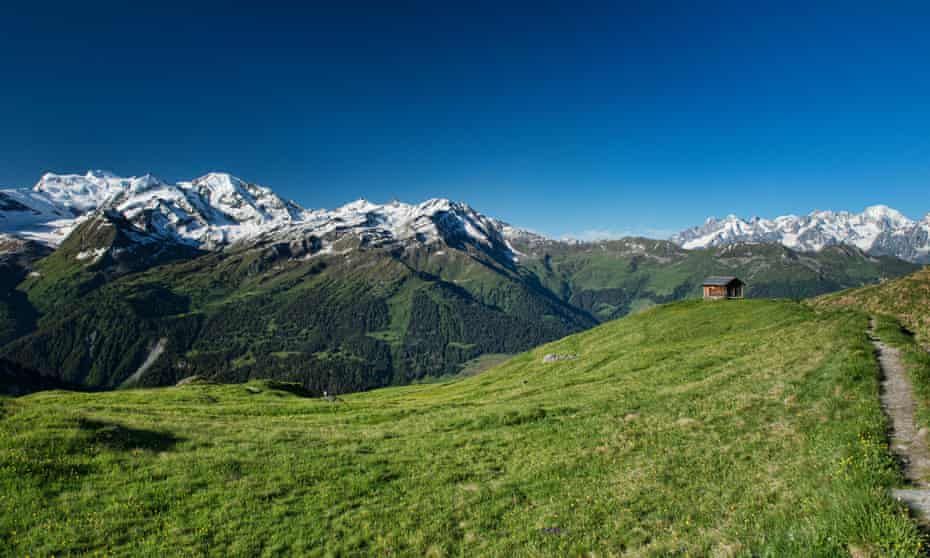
(743, 428)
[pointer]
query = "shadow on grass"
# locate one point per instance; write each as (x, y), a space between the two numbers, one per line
(289, 387)
(123, 438)
(50, 463)
(906, 332)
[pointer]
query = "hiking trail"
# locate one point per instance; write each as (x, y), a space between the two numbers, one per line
(908, 442)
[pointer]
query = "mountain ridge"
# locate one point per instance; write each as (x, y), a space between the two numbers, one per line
(218, 209)
(878, 230)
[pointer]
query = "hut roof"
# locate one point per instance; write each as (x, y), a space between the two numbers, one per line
(720, 281)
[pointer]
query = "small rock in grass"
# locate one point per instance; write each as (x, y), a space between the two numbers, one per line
(726, 550)
(552, 530)
(862, 551)
(556, 357)
(331, 398)
(195, 379)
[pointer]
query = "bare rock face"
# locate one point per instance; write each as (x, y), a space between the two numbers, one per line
(556, 357)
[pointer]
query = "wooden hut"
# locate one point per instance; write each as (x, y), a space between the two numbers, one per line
(722, 286)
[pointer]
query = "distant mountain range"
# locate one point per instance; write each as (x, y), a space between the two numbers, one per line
(879, 230)
(218, 209)
(108, 281)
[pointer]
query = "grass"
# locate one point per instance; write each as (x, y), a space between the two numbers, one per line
(747, 428)
(906, 298)
(900, 309)
(483, 363)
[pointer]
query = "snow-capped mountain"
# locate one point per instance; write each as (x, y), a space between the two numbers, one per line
(80, 193)
(431, 222)
(879, 230)
(210, 211)
(218, 209)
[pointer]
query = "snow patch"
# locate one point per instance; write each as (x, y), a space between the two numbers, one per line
(93, 255)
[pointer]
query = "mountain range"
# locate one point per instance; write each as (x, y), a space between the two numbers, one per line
(218, 209)
(110, 281)
(879, 230)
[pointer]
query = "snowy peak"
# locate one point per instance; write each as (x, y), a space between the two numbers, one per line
(80, 193)
(434, 221)
(241, 200)
(886, 215)
(362, 205)
(879, 230)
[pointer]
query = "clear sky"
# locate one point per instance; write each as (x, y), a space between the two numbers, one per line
(564, 117)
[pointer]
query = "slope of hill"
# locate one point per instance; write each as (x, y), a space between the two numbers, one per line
(737, 428)
(907, 299)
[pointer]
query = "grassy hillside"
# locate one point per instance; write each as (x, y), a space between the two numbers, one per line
(729, 429)
(902, 316)
(907, 299)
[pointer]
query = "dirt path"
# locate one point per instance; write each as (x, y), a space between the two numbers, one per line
(908, 442)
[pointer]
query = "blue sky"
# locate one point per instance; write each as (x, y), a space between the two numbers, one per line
(564, 117)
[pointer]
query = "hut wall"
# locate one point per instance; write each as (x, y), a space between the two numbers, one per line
(715, 291)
